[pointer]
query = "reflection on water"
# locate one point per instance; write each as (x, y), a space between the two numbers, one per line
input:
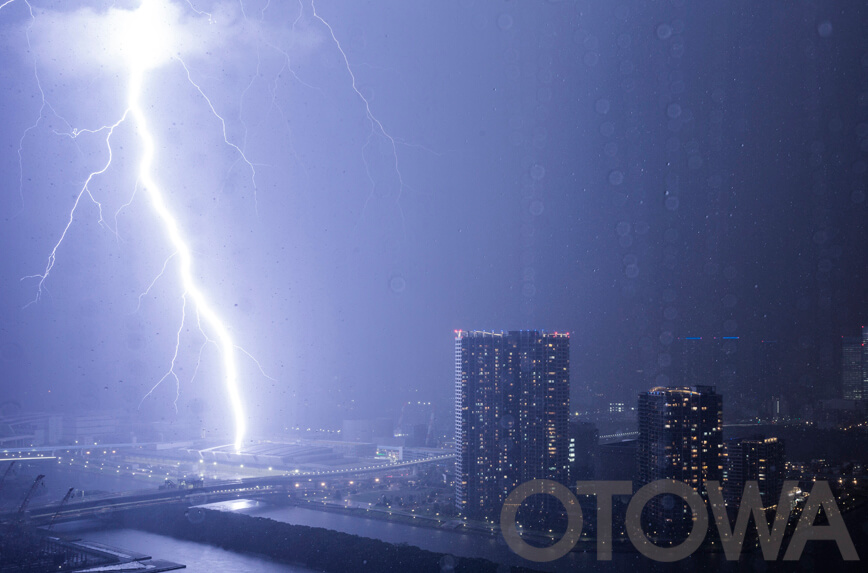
(198, 557)
(493, 548)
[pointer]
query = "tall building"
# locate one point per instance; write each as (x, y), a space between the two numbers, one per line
(852, 381)
(680, 438)
(756, 459)
(512, 405)
(864, 362)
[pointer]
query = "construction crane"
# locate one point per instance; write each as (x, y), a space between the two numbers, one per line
(6, 473)
(30, 492)
(59, 507)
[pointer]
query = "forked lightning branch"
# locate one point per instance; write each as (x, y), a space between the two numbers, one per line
(136, 47)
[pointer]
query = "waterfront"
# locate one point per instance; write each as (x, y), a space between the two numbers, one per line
(198, 557)
(447, 541)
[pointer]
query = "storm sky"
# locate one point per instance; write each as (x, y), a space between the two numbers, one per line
(627, 171)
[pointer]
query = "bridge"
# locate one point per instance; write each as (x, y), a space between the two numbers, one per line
(223, 490)
(631, 435)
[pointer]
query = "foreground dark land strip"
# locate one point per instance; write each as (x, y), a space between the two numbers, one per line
(312, 547)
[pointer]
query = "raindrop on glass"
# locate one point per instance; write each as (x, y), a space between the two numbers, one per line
(537, 172)
(672, 203)
(537, 208)
(664, 31)
(623, 228)
(824, 29)
(397, 283)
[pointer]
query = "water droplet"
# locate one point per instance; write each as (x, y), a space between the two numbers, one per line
(602, 106)
(672, 203)
(448, 563)
(537, 208)
(195, 515)
(623, 228)
(664, 31)
(504, 21)
(616, 177)
(673, 110)
(397, 283)
(537, 172)
(632, 271)
(824, 29)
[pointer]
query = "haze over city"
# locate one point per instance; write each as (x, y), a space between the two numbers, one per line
(240, 221)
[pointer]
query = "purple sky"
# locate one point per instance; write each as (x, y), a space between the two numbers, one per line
(627, 172)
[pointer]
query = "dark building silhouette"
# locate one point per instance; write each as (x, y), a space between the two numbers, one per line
(756, 459)
(854, 366)
(680, 438)
(616, 461)
(851, 368)
(582, 451)
(512, 394)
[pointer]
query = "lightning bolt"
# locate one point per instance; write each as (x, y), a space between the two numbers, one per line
(212, 327)
(375, 123)
(208, 319)
(172, 230)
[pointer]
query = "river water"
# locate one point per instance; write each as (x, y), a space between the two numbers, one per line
(198, 557)
(208, 558)
(451, 542)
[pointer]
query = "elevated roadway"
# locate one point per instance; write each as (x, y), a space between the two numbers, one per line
(104, 505)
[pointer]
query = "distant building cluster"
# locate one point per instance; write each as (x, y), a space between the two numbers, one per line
(41, 429)
(512, 425)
